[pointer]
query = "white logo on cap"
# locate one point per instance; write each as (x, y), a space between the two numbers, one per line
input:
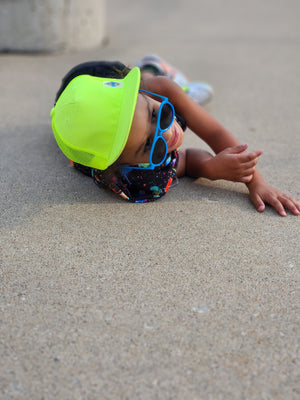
(113, 84)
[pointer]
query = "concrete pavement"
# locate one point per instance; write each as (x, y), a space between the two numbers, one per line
(190, 297)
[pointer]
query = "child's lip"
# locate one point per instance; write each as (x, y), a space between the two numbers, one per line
(175, 137)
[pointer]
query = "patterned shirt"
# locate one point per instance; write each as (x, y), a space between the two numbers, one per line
(140, 185)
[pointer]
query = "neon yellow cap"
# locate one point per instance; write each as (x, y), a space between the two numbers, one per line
(92, 118)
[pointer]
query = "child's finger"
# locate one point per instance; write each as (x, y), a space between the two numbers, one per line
(289, 203)
(247, 157)
(248, 171)
(246, 178)
(278, 206)
(249, 164)
(240, 148)
(258, 203)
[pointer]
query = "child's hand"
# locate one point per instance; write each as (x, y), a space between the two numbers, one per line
(234, 164)
(261, 193)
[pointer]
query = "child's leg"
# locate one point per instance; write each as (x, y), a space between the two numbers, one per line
(200, 92)
(157, 66)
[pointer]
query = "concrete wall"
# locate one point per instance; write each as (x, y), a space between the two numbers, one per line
(49, 25)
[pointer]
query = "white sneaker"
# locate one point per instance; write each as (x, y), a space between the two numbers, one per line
(200, 92)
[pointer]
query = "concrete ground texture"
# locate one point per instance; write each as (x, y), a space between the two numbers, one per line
(194, 296)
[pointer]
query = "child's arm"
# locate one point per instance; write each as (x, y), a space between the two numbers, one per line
(231, 161)
(197, 118)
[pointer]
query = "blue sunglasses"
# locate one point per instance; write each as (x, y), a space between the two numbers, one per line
(159, 148)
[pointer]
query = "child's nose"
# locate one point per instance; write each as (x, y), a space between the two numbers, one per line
(167, 135)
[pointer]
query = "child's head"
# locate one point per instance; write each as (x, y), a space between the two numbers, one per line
(92, 116)
(100, 117)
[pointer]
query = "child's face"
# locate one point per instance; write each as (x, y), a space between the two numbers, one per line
(139, 143)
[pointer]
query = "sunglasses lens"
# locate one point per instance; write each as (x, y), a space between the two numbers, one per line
(166, 116)
(159, 151)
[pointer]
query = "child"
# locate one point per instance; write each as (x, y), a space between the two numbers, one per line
(124, 128)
